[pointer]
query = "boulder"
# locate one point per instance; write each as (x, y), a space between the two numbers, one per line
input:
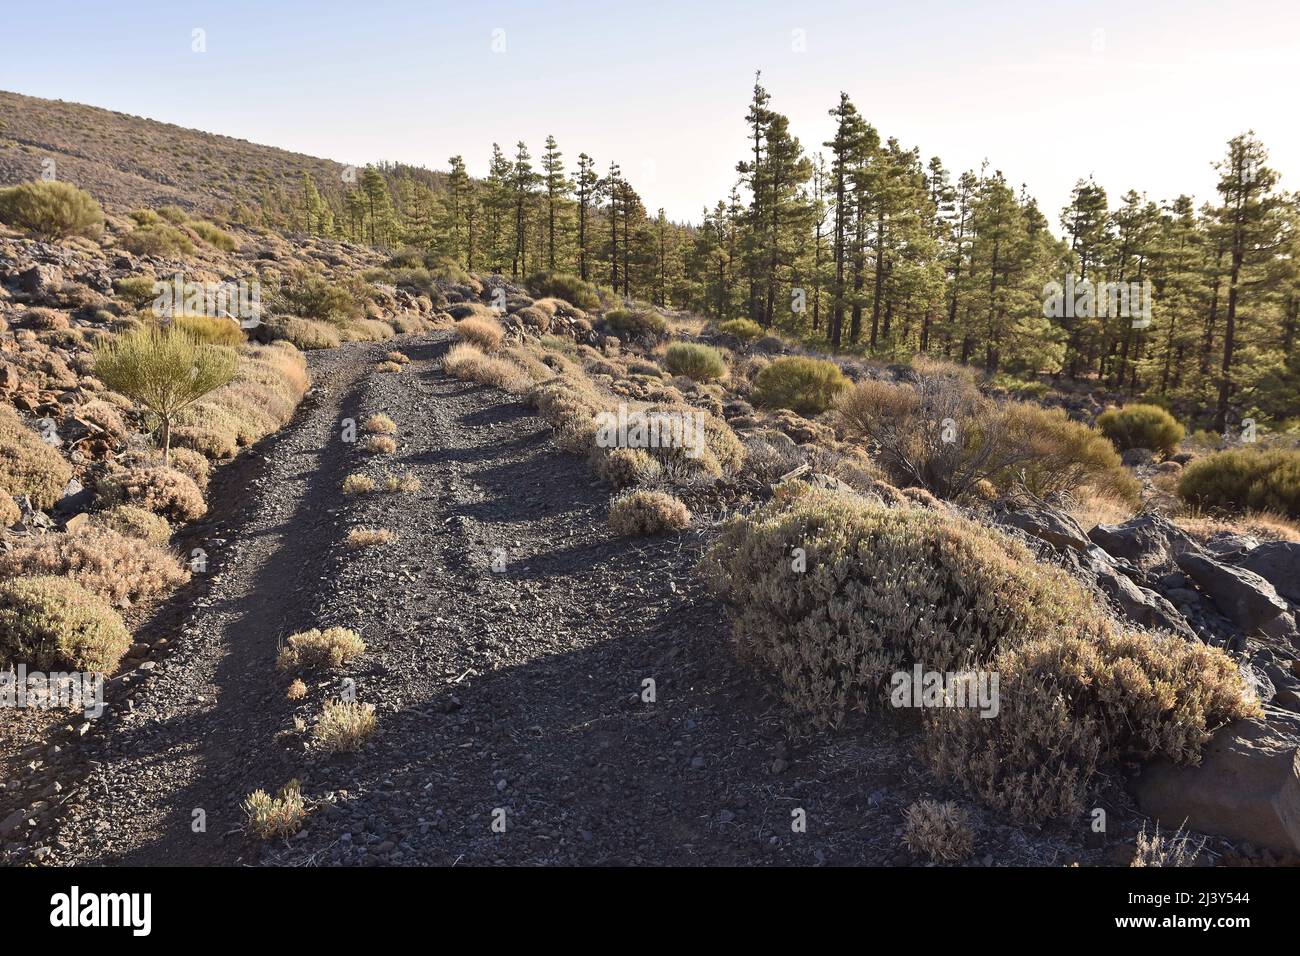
(1246, 788)
(1243, 596)
(1050, 524)
(1278, 563)
(41, 281)
(1140, 605)
(1136, 457)
(1148, 541)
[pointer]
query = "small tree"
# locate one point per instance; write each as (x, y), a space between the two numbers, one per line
(165, 370)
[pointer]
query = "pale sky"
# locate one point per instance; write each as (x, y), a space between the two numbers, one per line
(1141, 95)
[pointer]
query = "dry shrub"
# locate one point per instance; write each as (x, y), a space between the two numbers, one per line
(213, 331)
(940, 433)
(622, 467)
(104, 416)
(46, 320)
(51, 623)
(369, 537)
(468, 363)
(344, 725)
(297, 690)
(278, 817)
(647, 512)
(157, 488)
(135, 522)
(882, 589)
(484, 332)
(122, 570)
(380, 425)
(192, 463)
(9, 512)
(305, 333)
(939, 831)
(1158, 849)
(388, 367)
(28, 466)
(1073, 701)
(379, 445)
(358, 484)
(320, 650)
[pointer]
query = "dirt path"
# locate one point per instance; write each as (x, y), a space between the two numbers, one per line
(514, 695)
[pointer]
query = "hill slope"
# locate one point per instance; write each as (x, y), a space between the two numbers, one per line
(128, 161)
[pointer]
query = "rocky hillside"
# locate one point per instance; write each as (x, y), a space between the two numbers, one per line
(127, 161)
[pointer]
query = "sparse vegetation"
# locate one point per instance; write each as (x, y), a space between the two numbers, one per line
(358, 484)
(379, 445)
(359, 538)
(485, 333)
(380, 425)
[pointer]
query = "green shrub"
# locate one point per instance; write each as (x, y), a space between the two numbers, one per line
(636, 323)
(1244, 479)
(214, 236)
(805, 385)
(210, 331)
(165, 370)
(28, 466)
(561, 285)
(50, 623)
(1141, 426)
(697, 362)
(309, 295)
(747, 330)
(54, 210)
(159, 240)
(136, 291)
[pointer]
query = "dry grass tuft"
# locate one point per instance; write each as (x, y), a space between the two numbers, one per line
(484, 332)
(275, 817)
(379, 445)
(358, 484)
(369, 538)
(344, 725)
(380, 424)
(320, 650)
(388, 367)
(297, 690)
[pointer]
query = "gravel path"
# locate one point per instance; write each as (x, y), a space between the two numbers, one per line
(514, 695)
